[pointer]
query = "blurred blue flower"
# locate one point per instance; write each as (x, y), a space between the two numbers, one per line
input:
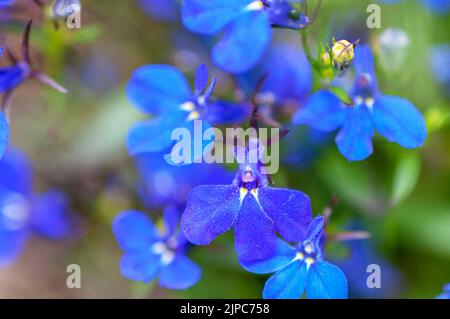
(161, 10)
(440, 61)
(256, 211)
(283, 61)
(12, 76)
(446, 292)
(301, 268)
(162, 91)
(164, 184)
(150, 253)
(4, 3)
(246, 25)
(393, 117)
(23, 212)
(362, 253)
(436, 6)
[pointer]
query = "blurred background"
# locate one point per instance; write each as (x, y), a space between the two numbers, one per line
(76, 144)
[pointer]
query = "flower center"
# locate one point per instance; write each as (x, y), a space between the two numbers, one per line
(167, 254)
(14, 212)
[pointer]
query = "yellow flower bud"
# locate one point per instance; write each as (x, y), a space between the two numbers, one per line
(343, 53)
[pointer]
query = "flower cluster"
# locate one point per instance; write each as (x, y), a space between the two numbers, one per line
(274, 228)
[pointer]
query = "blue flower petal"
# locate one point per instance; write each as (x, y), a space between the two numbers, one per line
(290, 211)
(4, 134)
(243, 43)
(323, 111)
(201, 79)
(254, 232)
(181, 273)
(11, 245)
(326, 281)
(223, 112)
(210, 211)
(171, 219)
(288, 283)
(399, 121)
(284, 254)
(10, 77)
(15, 172)
(364, 61)
(140, 265)
(315, 229)
(134, 231)
(156, 134)
(286, 61)
(155, 89)
(209, 17)
(355, 138)
(49, 215)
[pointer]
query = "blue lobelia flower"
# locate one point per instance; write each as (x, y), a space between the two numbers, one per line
(162, 91)
(439, 57)
(446, 292)
(256, 211)
(23, 212)
(246, 25)
(301, 268)
(283, 61)
(150, 253)
(161, 10)
(393, 117)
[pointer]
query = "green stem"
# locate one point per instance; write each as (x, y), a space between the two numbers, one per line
(304, 38)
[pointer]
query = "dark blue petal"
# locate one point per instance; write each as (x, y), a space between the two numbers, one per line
(15, 172)
(210, 211)
(284, 254)
(201, 79)
(140, 265)
(223, 112)
(399, 121)
(243, 43)
(254, 232)
(11, 76)
(326, 281)
(315, 229)
(280, 16)
(288, 283)
(5, 3)
(171, 220)
(323, 111)
(11, 245)
(290, 211)
(286, 61)
(209, 17)
(4, 134)
(156, 134)
(355, 138)
(181, 273)
(134, 231)
(364, 61)
(49, 215)
(155, 89)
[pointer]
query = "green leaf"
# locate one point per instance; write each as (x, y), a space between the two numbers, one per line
(406, 177)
